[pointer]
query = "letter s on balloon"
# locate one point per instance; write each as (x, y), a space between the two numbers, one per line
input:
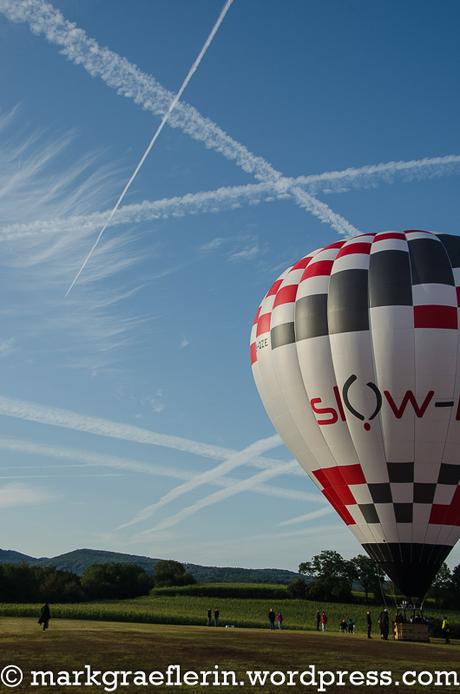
(323, 411)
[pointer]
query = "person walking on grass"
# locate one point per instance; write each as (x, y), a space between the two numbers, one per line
(45, 616)
(279, 619)
(271, 618)
(369, 624)
(323, 621)
(216, 617)
(209, 617)
(318, 620)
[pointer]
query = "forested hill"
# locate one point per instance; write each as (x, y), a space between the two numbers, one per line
(79, 560)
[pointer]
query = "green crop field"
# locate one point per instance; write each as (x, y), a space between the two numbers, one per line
(191, 609)
(72, 644)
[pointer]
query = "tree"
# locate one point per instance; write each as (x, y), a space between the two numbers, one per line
(115, 581)
(171, 573)
(59, 586)
(296, 589)
(332, 576)
(369, 574)
(442, 589)
(18, 583)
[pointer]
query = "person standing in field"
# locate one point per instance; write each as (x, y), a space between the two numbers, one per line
(271, 618)
(369, 624)
(279, 619)
(445, 630)
(384, 624)
(323, 621)
(45, 616)
(318, 619)
(216, 617)
(209, 617)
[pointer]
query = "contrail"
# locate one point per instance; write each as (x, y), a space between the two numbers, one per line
(89, 459)
(308, 516)
(155, 137)
(242, 486)
(129, 81)
(231, 197)
(67, 419)
(237, 460)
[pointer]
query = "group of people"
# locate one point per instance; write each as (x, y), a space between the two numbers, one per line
(347, 626)
(216, 617)
(275, 618)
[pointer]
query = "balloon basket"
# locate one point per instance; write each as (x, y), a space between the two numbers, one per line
(410, 624)
(411, 632)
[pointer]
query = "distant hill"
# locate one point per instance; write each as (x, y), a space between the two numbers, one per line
(79, 560)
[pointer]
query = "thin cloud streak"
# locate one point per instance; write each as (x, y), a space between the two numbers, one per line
(129, 81)
(16, 494)
(319, 513)
(67, 419)
(155, 137)
(233, 197)
(235, 461)
(90, 459)
(241, 486)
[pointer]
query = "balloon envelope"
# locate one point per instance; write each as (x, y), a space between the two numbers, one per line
(355, 354)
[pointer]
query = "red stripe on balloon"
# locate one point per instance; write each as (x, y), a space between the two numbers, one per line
(263, 325)
(342, 510)
(303, 262)
(336, 244)
(286, 295)
(435, 317)
(447, 514)
(389, 235)
(253, 353)
(354, 248)
(274, 288)
(321, 267)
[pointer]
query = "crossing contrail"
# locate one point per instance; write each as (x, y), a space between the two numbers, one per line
(237, 460)
(155, 137)
(68, 419)
(96, 460)
(232, 197)
(129, 81)
(241, 486)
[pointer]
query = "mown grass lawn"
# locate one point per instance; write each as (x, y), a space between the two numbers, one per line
(71, 644)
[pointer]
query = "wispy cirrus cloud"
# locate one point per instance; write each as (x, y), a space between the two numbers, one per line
(17, 494)
(247, 253)
(36, 181)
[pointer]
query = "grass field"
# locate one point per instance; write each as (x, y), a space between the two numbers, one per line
(70, 644)
(191, 610)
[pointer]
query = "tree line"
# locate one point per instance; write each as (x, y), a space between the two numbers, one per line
(112, 581)
(330, 578)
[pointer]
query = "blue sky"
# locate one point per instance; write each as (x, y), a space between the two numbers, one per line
(155, 336)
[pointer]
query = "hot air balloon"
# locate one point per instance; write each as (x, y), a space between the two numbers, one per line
(355, 352)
